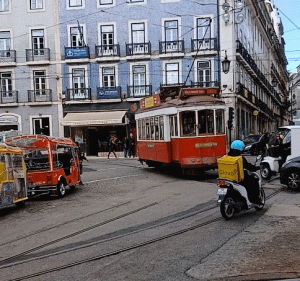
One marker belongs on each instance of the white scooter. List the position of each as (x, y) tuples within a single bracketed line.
[(233, 197), (269, 166)]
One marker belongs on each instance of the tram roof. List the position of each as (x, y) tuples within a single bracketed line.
[(189, 101)]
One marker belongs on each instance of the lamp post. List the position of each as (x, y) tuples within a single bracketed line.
[(226, 64)]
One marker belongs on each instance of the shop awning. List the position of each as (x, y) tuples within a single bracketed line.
[(94, 118)]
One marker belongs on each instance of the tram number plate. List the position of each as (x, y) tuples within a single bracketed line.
[(222, 191)]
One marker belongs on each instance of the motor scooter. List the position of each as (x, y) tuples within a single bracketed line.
[(269, 166), (234, 198)]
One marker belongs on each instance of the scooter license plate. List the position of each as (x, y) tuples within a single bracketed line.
[(222, 191)]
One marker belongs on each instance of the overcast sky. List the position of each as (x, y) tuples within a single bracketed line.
[(290, 15)]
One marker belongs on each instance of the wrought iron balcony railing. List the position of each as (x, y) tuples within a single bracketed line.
[(133, 49), (44, 95), (139, 91), (9, 97), (107, 51), (166, 47), (77, 52), (7, 56), (206, 84), (207, 44), (37, 55), (75, 94), (109, 93)]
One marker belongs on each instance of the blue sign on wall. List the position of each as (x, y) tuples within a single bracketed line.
[(109, 93), (77, 52)]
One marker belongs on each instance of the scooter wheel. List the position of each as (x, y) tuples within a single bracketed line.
[(227, 208), (262, 199), (265, 171)]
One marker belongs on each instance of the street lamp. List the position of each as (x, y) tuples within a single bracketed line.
[(226, 64)]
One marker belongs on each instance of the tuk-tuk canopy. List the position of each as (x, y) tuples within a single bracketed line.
[(36, 141)]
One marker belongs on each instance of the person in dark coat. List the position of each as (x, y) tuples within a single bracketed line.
[(131, 145), (81, 157), (125, 146), (112, 146)]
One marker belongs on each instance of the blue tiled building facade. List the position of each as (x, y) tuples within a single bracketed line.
[(116, 52)]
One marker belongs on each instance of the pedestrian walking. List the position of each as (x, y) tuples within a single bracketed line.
[(131, 145), (112, 146), (125, 146), (81, 157)]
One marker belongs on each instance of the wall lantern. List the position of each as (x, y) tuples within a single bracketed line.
[(226, 64), (226, 8)]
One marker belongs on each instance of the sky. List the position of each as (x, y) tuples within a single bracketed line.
[(290, 15)]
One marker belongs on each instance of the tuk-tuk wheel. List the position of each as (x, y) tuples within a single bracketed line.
[(61, 189)]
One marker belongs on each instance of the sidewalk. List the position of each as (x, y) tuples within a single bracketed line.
[(267, 250)]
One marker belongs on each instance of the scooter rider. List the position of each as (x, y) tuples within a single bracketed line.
[(250, 182)]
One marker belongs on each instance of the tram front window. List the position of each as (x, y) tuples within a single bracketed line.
[(220, 121), (188, 123), (206, 121)]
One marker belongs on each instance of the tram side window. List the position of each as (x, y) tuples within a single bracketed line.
[(220, 121), (173, 126), (148, 129), (161, 128), (188, 125), (140, 133), (206, 121), (151, 128)]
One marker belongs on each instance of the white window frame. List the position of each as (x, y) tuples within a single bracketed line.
[(212, 25), (8, 8), (147, 77), (164, 78), (169, 1), (45, 36), (32, 77), (130, 31), (212, 69), (114, 24), (115, 66), (11, 35), (32, 117), (86, 80), (35, 10), (137, 2), (163, 20), (101, 6), (68, 7), (69, 26)]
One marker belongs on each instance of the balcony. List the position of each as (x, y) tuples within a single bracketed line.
[(166, 47), (107, 51), (7, 56), (77, 94), (9, 97), (77, 53), (208, 44), (139, 91), (109, 93), (44, 95), (134, 49), (37, 55)]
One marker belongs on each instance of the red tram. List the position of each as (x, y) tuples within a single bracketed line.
[(186, 129)]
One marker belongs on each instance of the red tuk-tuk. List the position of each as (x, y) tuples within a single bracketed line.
[(52, 163)]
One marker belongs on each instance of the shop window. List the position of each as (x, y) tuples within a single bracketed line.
[(41, 126)]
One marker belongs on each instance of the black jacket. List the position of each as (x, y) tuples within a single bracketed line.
[(246, 165)]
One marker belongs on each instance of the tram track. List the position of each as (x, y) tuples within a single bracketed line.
[(112, 253)]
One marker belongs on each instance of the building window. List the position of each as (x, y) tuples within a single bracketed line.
[(139, 75), (136, 1), (38, 41), (4, 40), (6, 84), (137, 33), (203, 28), (36, 4), (106, 2), (78, 79), (107, 35), (204, 73), (76, 37), (4, 5), (41, 126), (39, 80), (171, 30), (172, 73), (108, 77), (75, 3)]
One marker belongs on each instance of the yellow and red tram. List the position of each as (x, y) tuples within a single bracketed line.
[(185, 130)]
